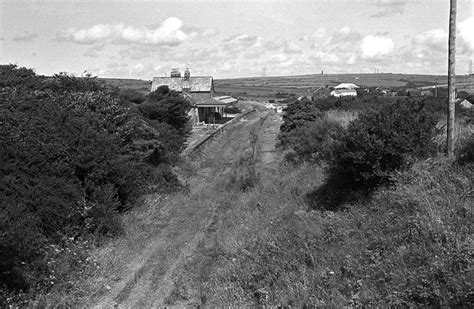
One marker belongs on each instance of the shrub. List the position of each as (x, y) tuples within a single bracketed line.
[(130, 95), (68, 82), (170, 108), (374, 146), (298, 114), (378, 143), (13, 76), (72, 156), (465, 153), (358, 103), (313, 141)]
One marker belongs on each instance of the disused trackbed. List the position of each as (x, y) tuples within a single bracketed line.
[(149, 279)]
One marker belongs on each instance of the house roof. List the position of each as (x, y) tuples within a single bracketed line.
[(321, 89), (466, 104), (212, 102), (226, 99), (339, 91), (194, 83), (346, 86)]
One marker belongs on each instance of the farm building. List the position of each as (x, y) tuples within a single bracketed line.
[(321, 92), (466, 104), (413, 92), (345, 90), (344, 93), (346, 86), (200, 91)]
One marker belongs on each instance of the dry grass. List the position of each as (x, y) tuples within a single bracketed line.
[(270, 250), (462, 131), (342, 117), (409, 245)]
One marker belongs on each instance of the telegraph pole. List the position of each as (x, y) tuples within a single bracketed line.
[(451, 76), (264, 79)]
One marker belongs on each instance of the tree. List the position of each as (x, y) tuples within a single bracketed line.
[(169, 107)]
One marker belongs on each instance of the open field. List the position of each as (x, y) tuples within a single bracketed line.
[(263, 88), (303, 84), (139, 85)]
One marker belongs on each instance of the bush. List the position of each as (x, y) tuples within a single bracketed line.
[(358, 103), (465, 153), (373, 147), (130, 95), (68, 82), (168, 107), (13, 76), (72, 156), (313, 141), (298, 114), (378, 143)]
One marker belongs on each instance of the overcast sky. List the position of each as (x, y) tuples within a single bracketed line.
[(142, 39)]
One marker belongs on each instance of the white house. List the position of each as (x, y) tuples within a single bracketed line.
[(346, 86), (466, 104), (344, 93)]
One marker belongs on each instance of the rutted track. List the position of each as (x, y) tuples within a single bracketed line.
[(148, 279)]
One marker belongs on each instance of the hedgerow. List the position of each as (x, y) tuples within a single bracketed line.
[(72, 157)]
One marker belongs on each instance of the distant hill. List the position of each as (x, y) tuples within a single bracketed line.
[(139, 85), (268, 87)]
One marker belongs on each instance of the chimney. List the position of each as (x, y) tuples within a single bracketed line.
[(186, 81), (175, 72)]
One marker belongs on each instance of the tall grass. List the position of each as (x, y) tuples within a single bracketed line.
[(410, 245)]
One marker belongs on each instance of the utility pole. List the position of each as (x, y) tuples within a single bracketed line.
[(264, 79), (451, 76), (469, 78)]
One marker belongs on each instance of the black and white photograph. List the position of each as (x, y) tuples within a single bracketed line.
[(236, 153)]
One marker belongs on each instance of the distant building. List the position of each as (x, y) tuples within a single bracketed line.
[(427, 93), (198, 89), (412, 92), (466, 104), (320, 93), (344, 93), (346, 86)]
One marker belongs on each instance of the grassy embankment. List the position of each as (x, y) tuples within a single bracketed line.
[(409, 244)]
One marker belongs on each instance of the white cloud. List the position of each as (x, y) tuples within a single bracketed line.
[(435, 39), (344, 35), (326, 58), (466, 33), (25, 37), (376, 46), (279, 58), (167, 33), (241, 41), (138, 68), (292, 48), (351, 60), (274, 44), (389, 8), (318, 34)]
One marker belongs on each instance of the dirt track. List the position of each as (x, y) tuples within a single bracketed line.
[(148, 279)]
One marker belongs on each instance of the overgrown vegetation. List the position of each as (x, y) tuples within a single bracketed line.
[(410, 245), (73, 156), (399, 229)]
